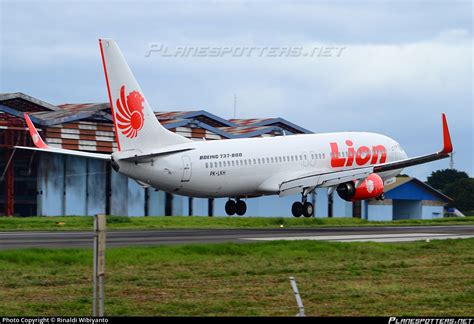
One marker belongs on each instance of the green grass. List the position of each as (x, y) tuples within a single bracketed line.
[(335, 279), (160, 222)]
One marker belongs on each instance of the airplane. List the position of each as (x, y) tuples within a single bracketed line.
[(356, 165)]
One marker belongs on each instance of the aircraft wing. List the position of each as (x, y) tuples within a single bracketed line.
[(43, 147), (308, 182)]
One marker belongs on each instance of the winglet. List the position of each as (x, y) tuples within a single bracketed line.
[(35, 136), (447, 145)]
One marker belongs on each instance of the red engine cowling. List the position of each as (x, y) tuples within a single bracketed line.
[(372, 187)]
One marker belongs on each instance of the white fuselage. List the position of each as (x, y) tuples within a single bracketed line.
[(256, 166)]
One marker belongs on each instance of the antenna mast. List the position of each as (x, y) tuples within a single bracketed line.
[(235, 105)]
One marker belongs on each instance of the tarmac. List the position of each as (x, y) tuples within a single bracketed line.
[(121, 238)]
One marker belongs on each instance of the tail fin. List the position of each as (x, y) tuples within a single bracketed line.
[(136, 126)]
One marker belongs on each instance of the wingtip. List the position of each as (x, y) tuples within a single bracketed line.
[(37, 140), (447, 144), (27, 120)]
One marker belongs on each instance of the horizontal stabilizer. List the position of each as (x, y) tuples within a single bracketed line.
[(129, 156)]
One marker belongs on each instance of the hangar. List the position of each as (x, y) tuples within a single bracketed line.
[(34, 183)]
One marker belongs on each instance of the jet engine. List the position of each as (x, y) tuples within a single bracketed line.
[(371, 187)]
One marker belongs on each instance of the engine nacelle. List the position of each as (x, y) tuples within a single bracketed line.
[(372, 187)]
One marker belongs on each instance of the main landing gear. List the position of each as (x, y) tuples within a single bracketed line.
[(238, 207), (302, 208)]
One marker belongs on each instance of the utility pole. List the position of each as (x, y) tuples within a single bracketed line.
[(99, 265), (451, 161)]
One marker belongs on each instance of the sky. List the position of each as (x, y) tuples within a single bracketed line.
[(389, 67)]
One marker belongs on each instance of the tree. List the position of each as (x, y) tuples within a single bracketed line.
[(462, 191), (441, 178)]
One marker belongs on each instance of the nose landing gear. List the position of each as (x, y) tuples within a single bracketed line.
[(304, 208), (238, 207)]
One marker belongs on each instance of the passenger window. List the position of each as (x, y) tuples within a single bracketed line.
[(206, 165), (259, 162), (271, 159), (233, 163), (268, 160), (280, 159)]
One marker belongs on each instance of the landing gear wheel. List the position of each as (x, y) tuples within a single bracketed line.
[(381, 197), (241, 207), (230, 207), (308, 209), (297, 209)]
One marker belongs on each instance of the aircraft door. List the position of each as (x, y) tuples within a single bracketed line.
[(186, 169)]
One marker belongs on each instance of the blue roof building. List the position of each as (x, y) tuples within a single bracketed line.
[(407, 198)]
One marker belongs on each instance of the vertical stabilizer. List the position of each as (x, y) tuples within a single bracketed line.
[(136, 126)]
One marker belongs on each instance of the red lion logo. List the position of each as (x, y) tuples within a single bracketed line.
[(130, 113)]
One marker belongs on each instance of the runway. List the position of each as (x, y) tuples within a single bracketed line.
[(117, 238)]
